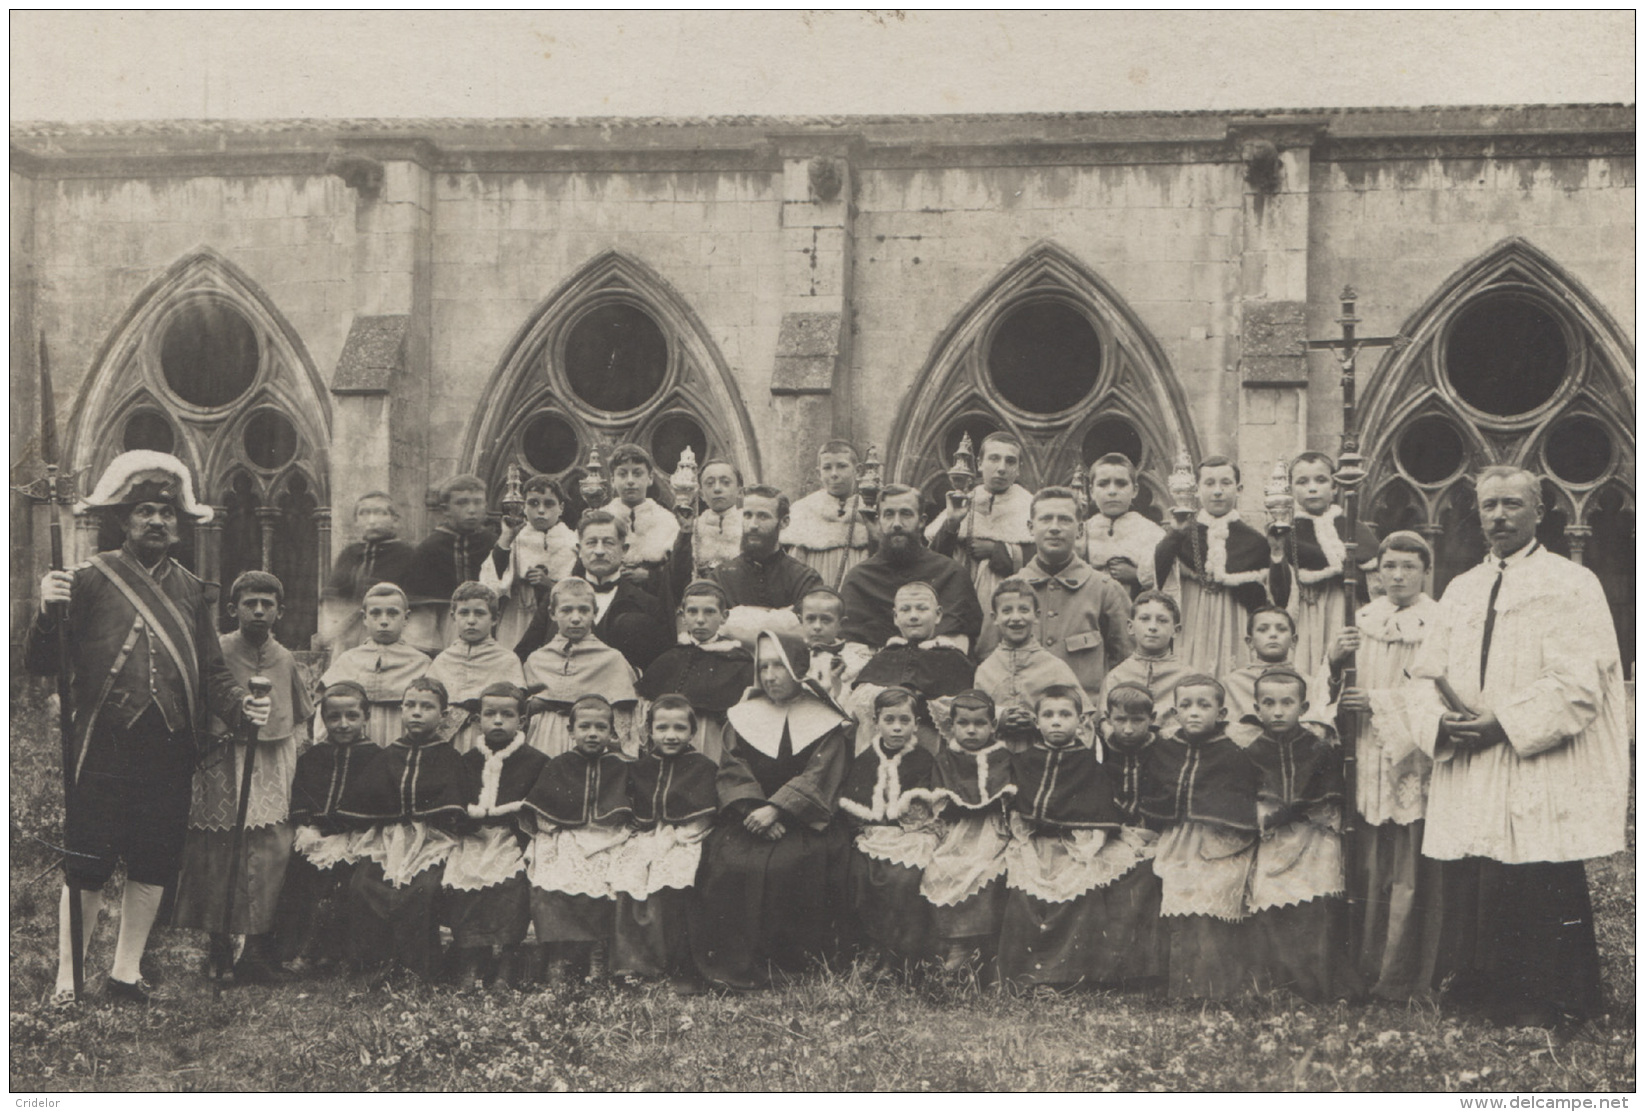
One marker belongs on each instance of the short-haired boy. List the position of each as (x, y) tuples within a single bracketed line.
[(987, 529), (454, 553), (309, 926), (1156, 623), (891, 842), (1318, 552), (1271, 636), (581, 815), (1067, 852), (265, 846), (532, 553), (575, 663), (413, 797), (916, 659), (1401, 888), (964, 881), (1221, 569), (828, 528), (652, 529), (384, 664), (822, 612), (1201, 789), (675, 800), (710, 669), (1020, 668), (1118, 539), (472, 662), (487, 897), (1299, 918), (378, 556)]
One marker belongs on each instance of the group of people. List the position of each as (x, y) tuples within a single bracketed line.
[(714, 741)]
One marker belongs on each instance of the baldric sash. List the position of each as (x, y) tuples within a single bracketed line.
[(159, 612)]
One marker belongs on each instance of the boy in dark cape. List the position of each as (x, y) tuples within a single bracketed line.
[(892, 841), (672, 787), (762, 891), (710, 669), (414, 795), (1128, 730), (308, 921), (1067, 851), (487, 896), (1299, 916), (965, 879), (1202, 789), (582, 816)]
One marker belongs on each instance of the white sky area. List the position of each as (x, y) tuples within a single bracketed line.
[(158, 65)]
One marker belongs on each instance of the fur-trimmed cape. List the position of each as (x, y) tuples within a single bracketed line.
[(971, 780), (879, 785)]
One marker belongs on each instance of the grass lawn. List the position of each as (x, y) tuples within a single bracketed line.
[(835, 1029)]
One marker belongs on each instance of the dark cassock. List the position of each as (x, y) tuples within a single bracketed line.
[(487, 897), (443, 561), (1203, 795), (413, 797), (1219, 568), (930, 669), (358, 568), (892, 839), (870, 588), (1071, 890), (309, 918), (628, 618), (675, 800), (1528, 638), (759, 900), (965, 880), (713, 676), (583, 816), (1299, 917)]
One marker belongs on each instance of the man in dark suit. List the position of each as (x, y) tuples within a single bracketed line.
[(147, 673), (627, 617)]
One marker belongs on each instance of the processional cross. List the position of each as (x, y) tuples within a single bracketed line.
[(1350, 473)]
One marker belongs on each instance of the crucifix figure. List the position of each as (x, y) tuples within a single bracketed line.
[(1350, 473)]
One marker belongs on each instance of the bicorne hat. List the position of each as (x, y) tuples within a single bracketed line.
[(143, 476)]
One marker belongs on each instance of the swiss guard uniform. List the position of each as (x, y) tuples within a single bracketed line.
[(147, 669)]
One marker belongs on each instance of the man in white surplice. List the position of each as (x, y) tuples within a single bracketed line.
[(1531, 763)]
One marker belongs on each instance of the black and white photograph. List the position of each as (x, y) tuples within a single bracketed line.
[(886, 551)]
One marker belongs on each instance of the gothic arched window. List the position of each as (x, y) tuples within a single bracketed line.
[(1050, 353), (206, 369), (1511, 362), (614, 356)]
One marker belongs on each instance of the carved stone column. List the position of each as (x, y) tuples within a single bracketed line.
[(84, 541), (1578, 535), (268, 520), (1431, 533), (208, 546)]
